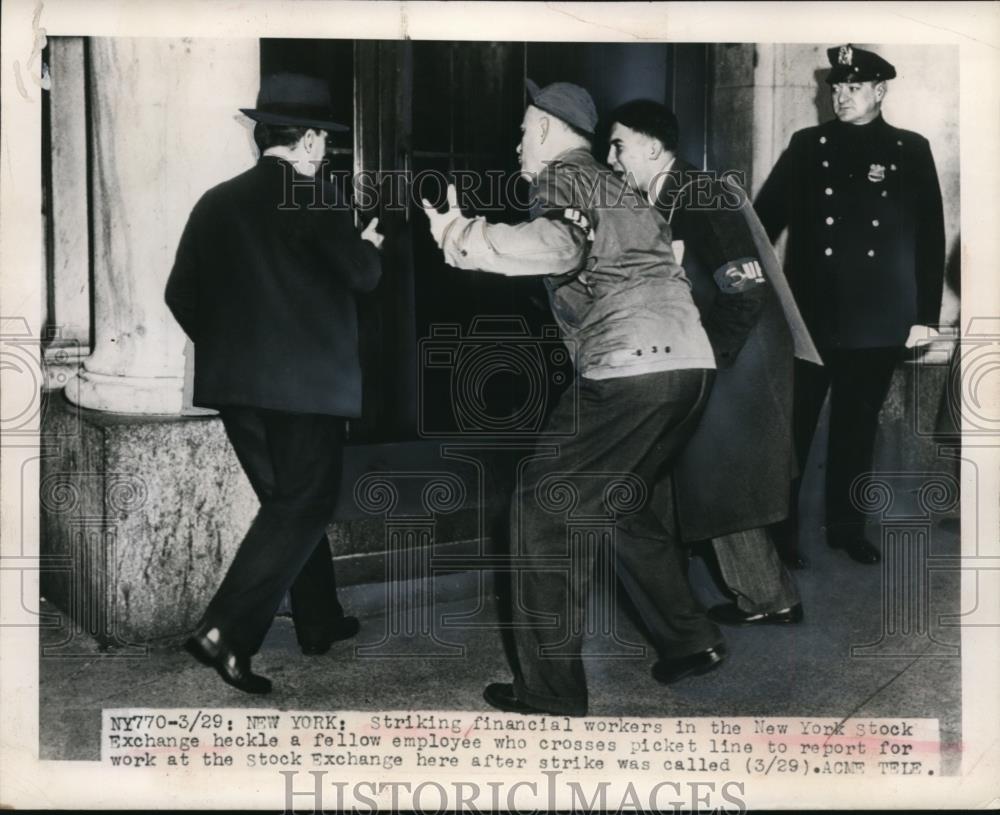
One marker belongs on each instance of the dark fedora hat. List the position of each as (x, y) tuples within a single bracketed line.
[(294, 99)]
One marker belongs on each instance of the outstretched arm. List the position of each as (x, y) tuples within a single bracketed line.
[(546, 245)]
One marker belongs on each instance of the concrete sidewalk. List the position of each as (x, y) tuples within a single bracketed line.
[(802, 670)]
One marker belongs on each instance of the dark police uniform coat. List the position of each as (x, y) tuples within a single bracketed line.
[(865, 254), (264, 284), (734, 473)]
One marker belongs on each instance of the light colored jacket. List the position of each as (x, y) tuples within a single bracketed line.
[(622, 301)]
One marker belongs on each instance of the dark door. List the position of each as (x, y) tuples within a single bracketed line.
[(425, 113)]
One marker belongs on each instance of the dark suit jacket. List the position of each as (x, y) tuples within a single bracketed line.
[(865, 251), (264, 284), (734, 473)]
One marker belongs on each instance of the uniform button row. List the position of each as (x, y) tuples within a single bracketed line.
[(829, 251)]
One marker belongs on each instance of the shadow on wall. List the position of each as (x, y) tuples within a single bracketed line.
[(823, 100), (953, 267)]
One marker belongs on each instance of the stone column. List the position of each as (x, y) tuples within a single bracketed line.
[(67, 333), (165, 127)]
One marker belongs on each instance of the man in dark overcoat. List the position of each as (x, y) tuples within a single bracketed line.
[(264, 284), (865, 260), (732, 480)]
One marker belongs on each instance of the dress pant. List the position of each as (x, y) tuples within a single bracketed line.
[(293, 461), (630, 425), (858, 381), (753, 572)]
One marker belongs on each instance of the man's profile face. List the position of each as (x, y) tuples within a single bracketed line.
[(529, 150), (857, 102), (630, 156)]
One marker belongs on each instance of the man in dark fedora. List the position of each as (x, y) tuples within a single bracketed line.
[(865, 260), (264, 284), (644, 370)]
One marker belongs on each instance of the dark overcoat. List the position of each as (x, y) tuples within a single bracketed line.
[(735, 471), (264, 284), (865, 255)]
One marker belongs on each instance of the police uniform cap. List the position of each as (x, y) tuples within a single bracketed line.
[(852, 64)]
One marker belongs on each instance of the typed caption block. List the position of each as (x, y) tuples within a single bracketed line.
[(420, 742)]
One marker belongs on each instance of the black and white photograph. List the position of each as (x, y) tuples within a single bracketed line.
[(461, 406)]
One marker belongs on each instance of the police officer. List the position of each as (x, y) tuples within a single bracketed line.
[(865, 259)]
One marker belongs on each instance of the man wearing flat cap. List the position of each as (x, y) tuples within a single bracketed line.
[(865, 259), (264, 284), (645, 368)]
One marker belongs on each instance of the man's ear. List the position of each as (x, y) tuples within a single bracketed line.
[(881, 89), (543, 126), (655, 149)]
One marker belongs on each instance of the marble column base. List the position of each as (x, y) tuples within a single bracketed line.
[(127, 394), (917, 446), (140, 517)]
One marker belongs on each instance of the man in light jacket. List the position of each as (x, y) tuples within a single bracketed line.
[(645, 368)]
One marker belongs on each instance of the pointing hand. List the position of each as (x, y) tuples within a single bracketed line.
[(369, 234), (440, 220)]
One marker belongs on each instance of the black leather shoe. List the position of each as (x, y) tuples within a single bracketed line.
[(342, 629), (731, 614), (668, 671), (859, 550), (501, 696), (793, 560), (234, 669)]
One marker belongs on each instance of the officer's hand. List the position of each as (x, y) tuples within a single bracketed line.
[(921, 332), (440, 220), (369, 234)]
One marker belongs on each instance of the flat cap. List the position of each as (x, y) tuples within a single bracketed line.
[(567, 101), (852, 64)]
